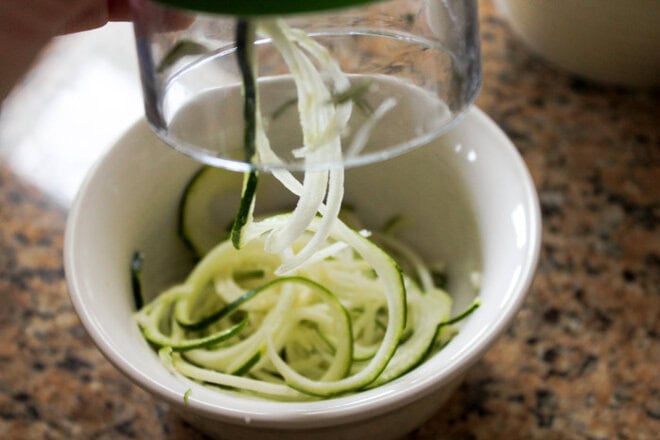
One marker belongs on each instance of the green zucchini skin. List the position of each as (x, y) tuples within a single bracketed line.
[(245, 35), (136, 279), (247, 8), (153, 335), (209, 193), (245, 208), (181, 223)]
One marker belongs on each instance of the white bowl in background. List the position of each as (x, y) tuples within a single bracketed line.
[(610, 41), (472, 203)]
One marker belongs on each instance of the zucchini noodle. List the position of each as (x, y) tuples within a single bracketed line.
[(345, 322)]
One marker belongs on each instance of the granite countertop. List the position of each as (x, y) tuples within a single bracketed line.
[(580, 361)]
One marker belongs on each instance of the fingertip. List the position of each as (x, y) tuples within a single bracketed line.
[(119, 10)]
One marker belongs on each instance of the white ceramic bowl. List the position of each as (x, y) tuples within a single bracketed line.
[(611, 41), (471, 201)]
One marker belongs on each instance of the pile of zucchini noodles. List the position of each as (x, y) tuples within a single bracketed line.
[(300, 306)]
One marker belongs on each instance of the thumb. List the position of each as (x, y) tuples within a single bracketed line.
[(96, 14), (26, 26)]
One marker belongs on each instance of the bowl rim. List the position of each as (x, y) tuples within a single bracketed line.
[(351, 408)]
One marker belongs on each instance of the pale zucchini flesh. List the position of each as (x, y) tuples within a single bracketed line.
[(209, 199)]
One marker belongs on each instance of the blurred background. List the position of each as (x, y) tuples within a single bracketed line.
[(81, 95)]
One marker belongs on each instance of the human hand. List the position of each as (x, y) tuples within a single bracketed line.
[(26, 26)]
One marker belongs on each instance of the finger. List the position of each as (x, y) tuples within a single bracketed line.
[(97, 14), (42, 18), (119, 10), (94, 16), (152, 18)]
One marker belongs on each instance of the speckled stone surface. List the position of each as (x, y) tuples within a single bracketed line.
[(580, 361)]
